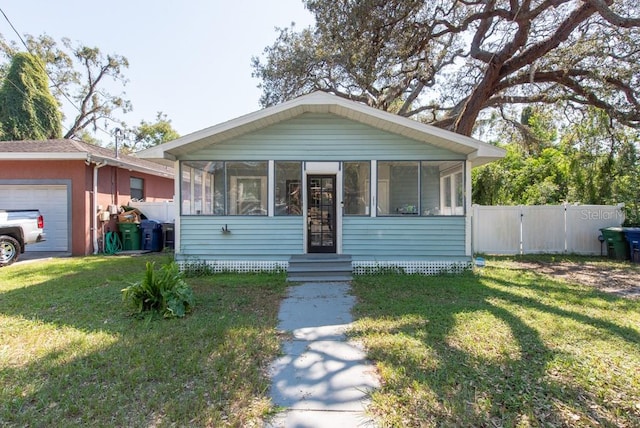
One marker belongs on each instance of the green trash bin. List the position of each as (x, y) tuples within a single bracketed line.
[(617, 247), (130, 236)]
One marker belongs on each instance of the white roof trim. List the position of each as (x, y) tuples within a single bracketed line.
[(321, 102), (119, 163)]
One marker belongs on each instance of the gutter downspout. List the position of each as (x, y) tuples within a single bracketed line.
[(94, 206)]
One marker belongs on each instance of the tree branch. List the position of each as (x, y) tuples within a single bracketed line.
[(613, 18), (564, 30)]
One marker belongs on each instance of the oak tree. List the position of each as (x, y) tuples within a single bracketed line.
[(448, 62)]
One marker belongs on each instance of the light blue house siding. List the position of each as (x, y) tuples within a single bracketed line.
[(317, 138), (321, 137), (364, 238), (399, 238), (246, 238)]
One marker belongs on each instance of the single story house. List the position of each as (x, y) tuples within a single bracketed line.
[(78, 187), (322, 174)]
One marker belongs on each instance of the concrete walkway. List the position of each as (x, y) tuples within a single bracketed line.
[(322, 380)]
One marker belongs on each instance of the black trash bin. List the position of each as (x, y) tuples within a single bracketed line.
[(168, 235), (151, 235)]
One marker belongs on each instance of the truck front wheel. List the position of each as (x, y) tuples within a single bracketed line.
[(9, 250)]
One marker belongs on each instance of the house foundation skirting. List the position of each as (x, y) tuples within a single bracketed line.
[(240, 266), (421, 267), (360, 267)]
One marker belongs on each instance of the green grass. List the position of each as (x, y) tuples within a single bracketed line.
[(500, 347), (71, 354)]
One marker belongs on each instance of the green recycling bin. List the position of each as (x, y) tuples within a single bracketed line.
[(130, 236), (617, 247)]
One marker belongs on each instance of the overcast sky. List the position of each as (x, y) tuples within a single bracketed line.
[(190, 59)]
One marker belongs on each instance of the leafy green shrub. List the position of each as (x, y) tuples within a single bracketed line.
[(163, 290)]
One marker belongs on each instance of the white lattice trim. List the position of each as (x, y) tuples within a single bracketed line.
[(422, 267), (220, 266), (359, 267)]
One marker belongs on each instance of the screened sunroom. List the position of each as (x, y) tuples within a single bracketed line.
[(321, 174), (233, 188)]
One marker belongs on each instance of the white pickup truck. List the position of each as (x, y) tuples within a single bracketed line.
[(17, 229)]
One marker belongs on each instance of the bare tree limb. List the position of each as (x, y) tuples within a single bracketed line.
[(605, 11)]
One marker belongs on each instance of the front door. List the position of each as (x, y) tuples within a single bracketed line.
[(321, 213)]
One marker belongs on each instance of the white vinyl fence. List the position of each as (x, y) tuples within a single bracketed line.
[(542, 228), (164, 212)]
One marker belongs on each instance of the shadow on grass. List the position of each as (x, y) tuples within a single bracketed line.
[(497, 350), (71, 354)]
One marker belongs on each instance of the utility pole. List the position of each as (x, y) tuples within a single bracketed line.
[(119, 136)]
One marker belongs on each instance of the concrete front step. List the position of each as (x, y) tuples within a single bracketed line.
[(320, 257), (325, 278), (331, 265), (320, 268), (325, 267)]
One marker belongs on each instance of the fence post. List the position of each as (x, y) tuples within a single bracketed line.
[(521, 231), (566, 238), (474, 214)]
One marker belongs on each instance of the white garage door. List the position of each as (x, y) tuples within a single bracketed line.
[(52, 202)]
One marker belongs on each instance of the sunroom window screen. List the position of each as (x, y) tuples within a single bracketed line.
[(357, 179), (202, 188), (224, 188), (427, 188), (288, 194), (398, 188), (247, 188)]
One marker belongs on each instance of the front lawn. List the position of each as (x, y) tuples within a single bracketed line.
[(70, 354), (504, 346)]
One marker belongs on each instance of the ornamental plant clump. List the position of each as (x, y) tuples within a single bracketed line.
[(164, 291)]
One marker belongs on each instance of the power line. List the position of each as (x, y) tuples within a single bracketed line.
[(56, 84), (25, 45), (45, 68), (14, 28)]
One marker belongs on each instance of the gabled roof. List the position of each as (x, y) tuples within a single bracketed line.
[(63, 149), (476, 151)]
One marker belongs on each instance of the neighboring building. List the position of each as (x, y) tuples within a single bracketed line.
[(321, 174), (60, 177)]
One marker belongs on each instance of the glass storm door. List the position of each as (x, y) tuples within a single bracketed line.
[(321, 213)]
